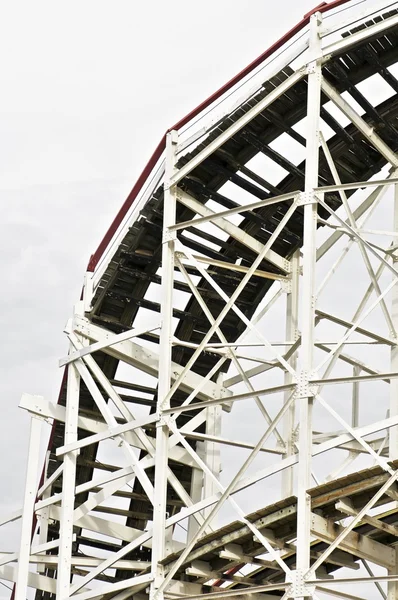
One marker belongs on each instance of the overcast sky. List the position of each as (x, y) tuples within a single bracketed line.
[(88, 88)]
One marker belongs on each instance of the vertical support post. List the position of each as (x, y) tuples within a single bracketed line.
[(392, 586), (393, 435), (28, 509), (355, 398), (68, 480), (166, 334), (209, 452), (393, 432), (305, 397), (196, 491), (44, 515), (88, 291), (292, 307), (212, 450)]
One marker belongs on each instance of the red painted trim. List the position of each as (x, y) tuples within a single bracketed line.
[(323, 7), (230, 571)]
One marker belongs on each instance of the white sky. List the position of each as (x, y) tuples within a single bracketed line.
[(88, 88)]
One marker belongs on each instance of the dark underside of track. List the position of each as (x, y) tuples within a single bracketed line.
[(124, 286)]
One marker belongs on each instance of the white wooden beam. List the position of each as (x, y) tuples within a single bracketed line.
[(233, 230), (148, 361), (38, 405), (28, 508), (354, 543), (345, 506)]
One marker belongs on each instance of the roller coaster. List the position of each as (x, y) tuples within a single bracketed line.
[(227, 423)]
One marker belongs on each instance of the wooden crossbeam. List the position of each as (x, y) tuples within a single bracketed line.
[(360, 546)]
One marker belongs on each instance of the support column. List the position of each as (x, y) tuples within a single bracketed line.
[(355, 398), (196, 491), (88, 291), (202, 484), (392, 586), (393, 435), (28, 509), (44, 514), (393, 432), (292, 307), (305, 397), (68, 482), (166, 333), (212, 450)]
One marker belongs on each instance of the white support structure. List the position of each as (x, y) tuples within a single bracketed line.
[(292, 333), (305, 394), (245, 444), (393, 438), (68, 484), (28, 506), (162, 429)]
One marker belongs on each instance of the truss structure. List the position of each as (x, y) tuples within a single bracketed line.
[(241, 311)]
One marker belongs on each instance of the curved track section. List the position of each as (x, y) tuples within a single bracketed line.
[(218, 365)]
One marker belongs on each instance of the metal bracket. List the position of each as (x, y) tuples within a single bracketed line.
[(163, 420), (88, 292), (311, 67), (304, 389), (286, 285), (168, 236), (287, 265), (307, 198), (298, 587)]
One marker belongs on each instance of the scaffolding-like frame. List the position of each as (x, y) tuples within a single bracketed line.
[(207, 397)]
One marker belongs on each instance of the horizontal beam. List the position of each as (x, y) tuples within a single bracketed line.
[(209, 215), (345, 506), (110, 339), (357, 185), (35, 581), (86, 561), (147, 360), (219, 440), (222, 264), (110, 432), (237, 397), (358, 545), (38, 405), (219, 220), (229, 593), (356, 378), (103, 526)]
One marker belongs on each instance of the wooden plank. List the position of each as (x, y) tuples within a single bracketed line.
[(358, 545)]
